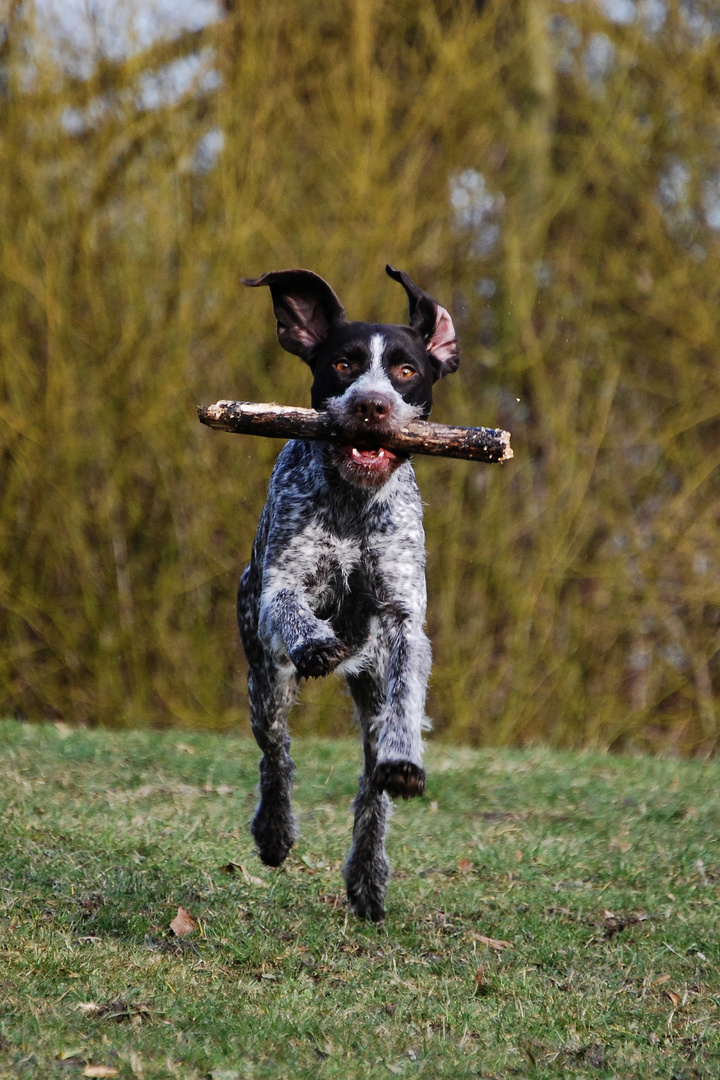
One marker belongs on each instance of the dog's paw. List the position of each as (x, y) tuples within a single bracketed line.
[(274, 834), (313, 659), (366, 884), (274, 853), (366, 907), (399, 778)]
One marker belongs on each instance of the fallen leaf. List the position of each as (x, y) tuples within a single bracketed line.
[(250, 878), (185, 748), (68, 1055), (335, 900), (493, 943), (183, 923), (662, 979), (238, 868), (464, 866), (674, 998), (119, 1010), (100, 1070), (479, 981), (615, 924)]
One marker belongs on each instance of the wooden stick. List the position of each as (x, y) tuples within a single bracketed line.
[(418, 437)]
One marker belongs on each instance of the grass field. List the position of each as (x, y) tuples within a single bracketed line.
[(601, 874)]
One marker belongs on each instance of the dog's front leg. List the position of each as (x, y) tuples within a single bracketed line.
[(290, 628), (399, 768)]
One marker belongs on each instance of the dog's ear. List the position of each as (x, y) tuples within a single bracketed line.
[(305, 307), (432, 322)]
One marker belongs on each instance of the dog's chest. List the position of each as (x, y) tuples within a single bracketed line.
[(334, 567), (344, 588), (349, 552)]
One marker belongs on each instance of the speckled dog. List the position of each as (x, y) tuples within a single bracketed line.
[(337, 577)]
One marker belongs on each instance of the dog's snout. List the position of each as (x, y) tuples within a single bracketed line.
[(372, 408)]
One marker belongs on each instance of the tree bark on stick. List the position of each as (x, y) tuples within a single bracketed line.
[(418, 437)]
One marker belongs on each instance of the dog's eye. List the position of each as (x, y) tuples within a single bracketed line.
[(406, 371), (342, 366)]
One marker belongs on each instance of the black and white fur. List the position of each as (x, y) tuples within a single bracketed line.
[(337, 576)]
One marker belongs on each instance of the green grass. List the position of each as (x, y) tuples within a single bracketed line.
[(105, 835)]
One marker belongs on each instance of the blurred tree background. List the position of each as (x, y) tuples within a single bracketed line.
[(548, 170)]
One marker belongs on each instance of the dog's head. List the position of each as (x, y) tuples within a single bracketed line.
[(369, 376)]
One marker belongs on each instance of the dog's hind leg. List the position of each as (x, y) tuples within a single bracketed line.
[(272, 693), (272, 690), (367, 870)]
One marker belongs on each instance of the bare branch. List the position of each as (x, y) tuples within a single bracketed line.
[(418, 437)]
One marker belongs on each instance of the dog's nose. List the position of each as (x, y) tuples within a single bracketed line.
[(372, 408)]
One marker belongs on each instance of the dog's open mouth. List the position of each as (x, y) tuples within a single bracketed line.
[(367, 466), (369, 459)]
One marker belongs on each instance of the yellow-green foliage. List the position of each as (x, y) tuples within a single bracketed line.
[(575, 593)]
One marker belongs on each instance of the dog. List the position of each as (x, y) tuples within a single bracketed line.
[(336, 581)]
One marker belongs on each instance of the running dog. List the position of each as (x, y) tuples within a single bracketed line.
[(337, 576)]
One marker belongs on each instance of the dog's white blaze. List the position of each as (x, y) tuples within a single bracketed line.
[(377, 348), (376, 378)]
